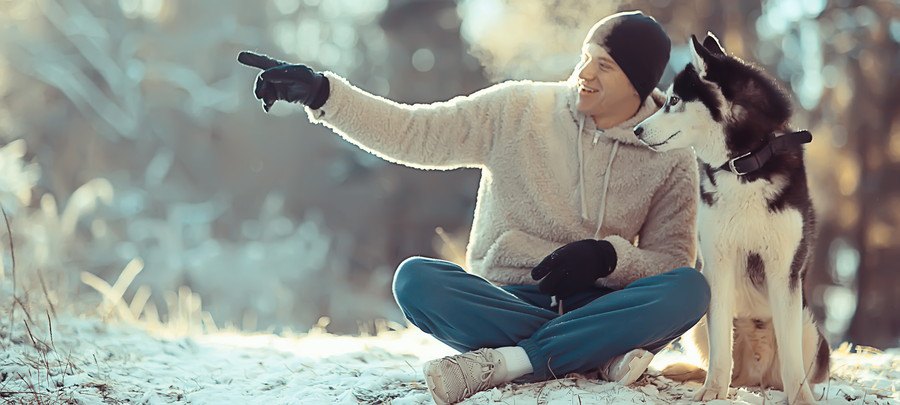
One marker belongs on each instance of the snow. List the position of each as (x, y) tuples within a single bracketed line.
[(90, 361)]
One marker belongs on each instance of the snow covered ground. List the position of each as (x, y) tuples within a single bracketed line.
[(88, 361)]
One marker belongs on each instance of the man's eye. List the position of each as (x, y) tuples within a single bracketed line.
[(673, 101)]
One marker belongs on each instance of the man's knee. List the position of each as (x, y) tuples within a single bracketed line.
[(412, 280), (689, 291)]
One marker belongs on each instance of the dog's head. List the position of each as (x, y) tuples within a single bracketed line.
[(719, 105)]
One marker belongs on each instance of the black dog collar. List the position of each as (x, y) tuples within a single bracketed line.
[(752, 161)]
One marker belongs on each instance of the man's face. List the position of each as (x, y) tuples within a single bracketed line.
[(602, 85)]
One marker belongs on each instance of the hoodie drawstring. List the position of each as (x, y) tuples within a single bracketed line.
[(581, 168), (606, 174), (612, 155)]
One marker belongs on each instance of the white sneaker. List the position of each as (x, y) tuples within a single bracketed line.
[(627, 368), (455, 378)]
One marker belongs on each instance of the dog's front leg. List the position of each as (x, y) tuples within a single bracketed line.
[(787, 318), (720, 324)]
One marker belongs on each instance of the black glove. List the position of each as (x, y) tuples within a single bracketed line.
[(283, 81), (575, 267)]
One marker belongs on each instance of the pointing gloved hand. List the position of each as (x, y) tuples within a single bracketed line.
[(575, 267), (283, 81)]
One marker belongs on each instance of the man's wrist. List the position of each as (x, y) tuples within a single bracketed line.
[(320, 93)]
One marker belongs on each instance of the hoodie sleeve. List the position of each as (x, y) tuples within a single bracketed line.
[(443, 135), (667, 239)]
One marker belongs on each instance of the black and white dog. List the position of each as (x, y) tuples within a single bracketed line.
[(756, 224)]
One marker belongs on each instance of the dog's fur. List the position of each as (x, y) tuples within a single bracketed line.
[(756, 230)]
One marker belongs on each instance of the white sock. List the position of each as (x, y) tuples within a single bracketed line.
[(517, 363)]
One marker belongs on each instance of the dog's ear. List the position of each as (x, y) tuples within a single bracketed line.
[(700, 56), (711, 43)]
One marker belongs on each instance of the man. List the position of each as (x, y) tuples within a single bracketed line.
[(568, 196)]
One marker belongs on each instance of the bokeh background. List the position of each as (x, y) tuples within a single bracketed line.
[(137, 163)]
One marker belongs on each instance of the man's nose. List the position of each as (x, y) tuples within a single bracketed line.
[(638, 130), (586, 73)]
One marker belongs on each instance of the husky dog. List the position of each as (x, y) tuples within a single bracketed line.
[(756, 224)]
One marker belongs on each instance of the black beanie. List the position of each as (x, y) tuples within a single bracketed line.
[(638, 44)]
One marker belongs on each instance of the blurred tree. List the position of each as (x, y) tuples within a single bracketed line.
[(874, 131)]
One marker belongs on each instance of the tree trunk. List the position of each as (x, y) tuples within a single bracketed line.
[(876, 104)]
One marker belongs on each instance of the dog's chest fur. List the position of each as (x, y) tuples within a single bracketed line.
[(740, 233)]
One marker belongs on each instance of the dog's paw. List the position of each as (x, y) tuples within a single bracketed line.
[(708, 393)]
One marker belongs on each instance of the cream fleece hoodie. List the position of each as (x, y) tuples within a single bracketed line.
[(548, 175)]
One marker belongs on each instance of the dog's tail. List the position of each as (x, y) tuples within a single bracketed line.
[(683, 372)]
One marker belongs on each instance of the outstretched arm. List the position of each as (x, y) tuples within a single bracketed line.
[(444, 135)]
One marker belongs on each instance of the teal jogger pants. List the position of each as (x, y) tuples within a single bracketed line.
[(467, 312)]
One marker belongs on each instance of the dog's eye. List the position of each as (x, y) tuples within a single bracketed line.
[(673, 101)]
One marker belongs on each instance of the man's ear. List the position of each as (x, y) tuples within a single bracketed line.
[(711, 43), (700, 56)]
